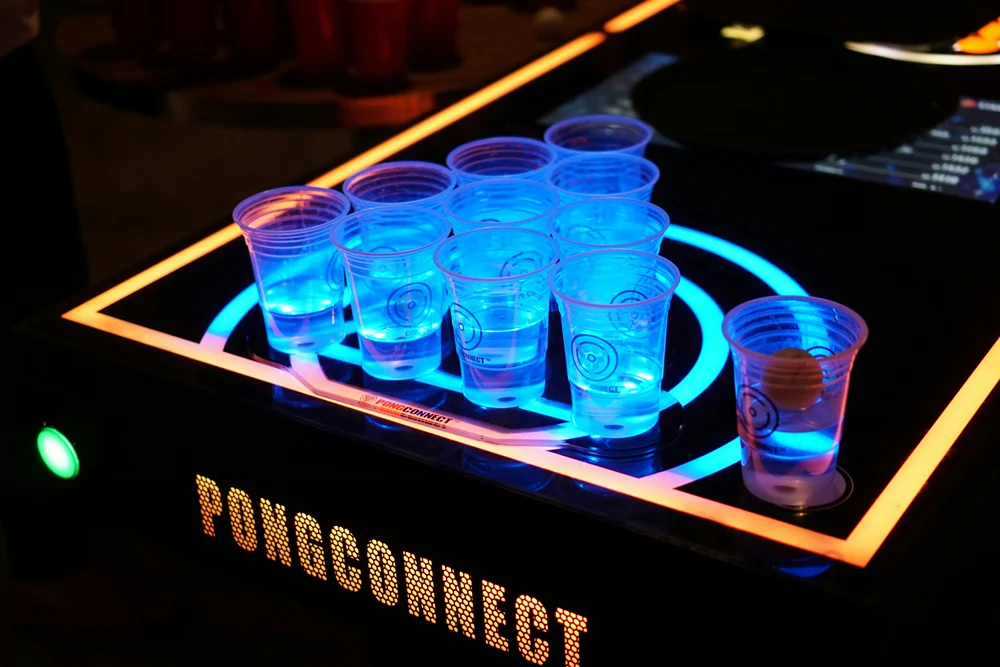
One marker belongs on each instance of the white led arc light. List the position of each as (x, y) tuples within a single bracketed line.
[(947, 59), (706, 369)]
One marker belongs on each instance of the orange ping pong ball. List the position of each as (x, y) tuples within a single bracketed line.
[(793, 386)]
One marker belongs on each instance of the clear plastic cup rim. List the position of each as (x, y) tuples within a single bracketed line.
[(595, 157), (659, 259), (323, 193), (812, 300), (384, 210), (506, 182), (402, 164), (498, 279), (646, 130), (479, 143), (614, 200)]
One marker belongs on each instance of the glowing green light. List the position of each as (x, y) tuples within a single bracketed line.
[(58, 453)]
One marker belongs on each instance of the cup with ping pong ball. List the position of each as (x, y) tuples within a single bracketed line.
[(792, 359)]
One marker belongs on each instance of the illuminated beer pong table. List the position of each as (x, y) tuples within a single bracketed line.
[(494, 531)]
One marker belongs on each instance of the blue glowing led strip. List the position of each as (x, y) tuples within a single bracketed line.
[(222, 326), (710, 362), (703, 466), (771, 275), (714, 348), (782, 284)]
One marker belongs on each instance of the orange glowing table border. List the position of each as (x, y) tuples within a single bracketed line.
[(857, 549)]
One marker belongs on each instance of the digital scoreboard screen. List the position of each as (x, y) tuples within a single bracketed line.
[(959, 157)]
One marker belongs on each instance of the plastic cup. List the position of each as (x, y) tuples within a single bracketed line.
[(501, 157), (397, 293), (377, 35), (138, 25), (604, 175), (501, 202), (317, 28), (792, 358), (614, 306), (299, 275), (189, 26), (601, 223), (599, 134), (256, 32), (421, 184), (500, 311), (433, 33)]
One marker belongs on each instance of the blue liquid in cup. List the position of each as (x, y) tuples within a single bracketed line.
[(614, 306), (301, 312), (402, 338), (599, 134), (501, 157), (604, 175), (797, 464), (622, 404), (503, 354), (500, 310), (298, 274), (398, 294)]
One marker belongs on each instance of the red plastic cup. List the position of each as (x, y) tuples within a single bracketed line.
[(137, 25), (378, 32), (255, 31), (535, 5), (318, 29), (190, 29), (433, 32)]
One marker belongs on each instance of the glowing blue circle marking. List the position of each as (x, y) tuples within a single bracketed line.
[(710, 362), (779, 281), (229, 317), (234, 311), (769, 274), (707, 367)]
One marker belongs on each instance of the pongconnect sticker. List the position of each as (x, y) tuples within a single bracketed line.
[(595, 358), (756, 412), (409, 305), (468, 330)]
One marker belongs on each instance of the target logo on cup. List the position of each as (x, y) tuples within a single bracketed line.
[(468, 330), (521, 263), (758, 417), (410, 304), (595, 358)]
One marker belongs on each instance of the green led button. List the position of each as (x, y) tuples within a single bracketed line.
[(58, 453)]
